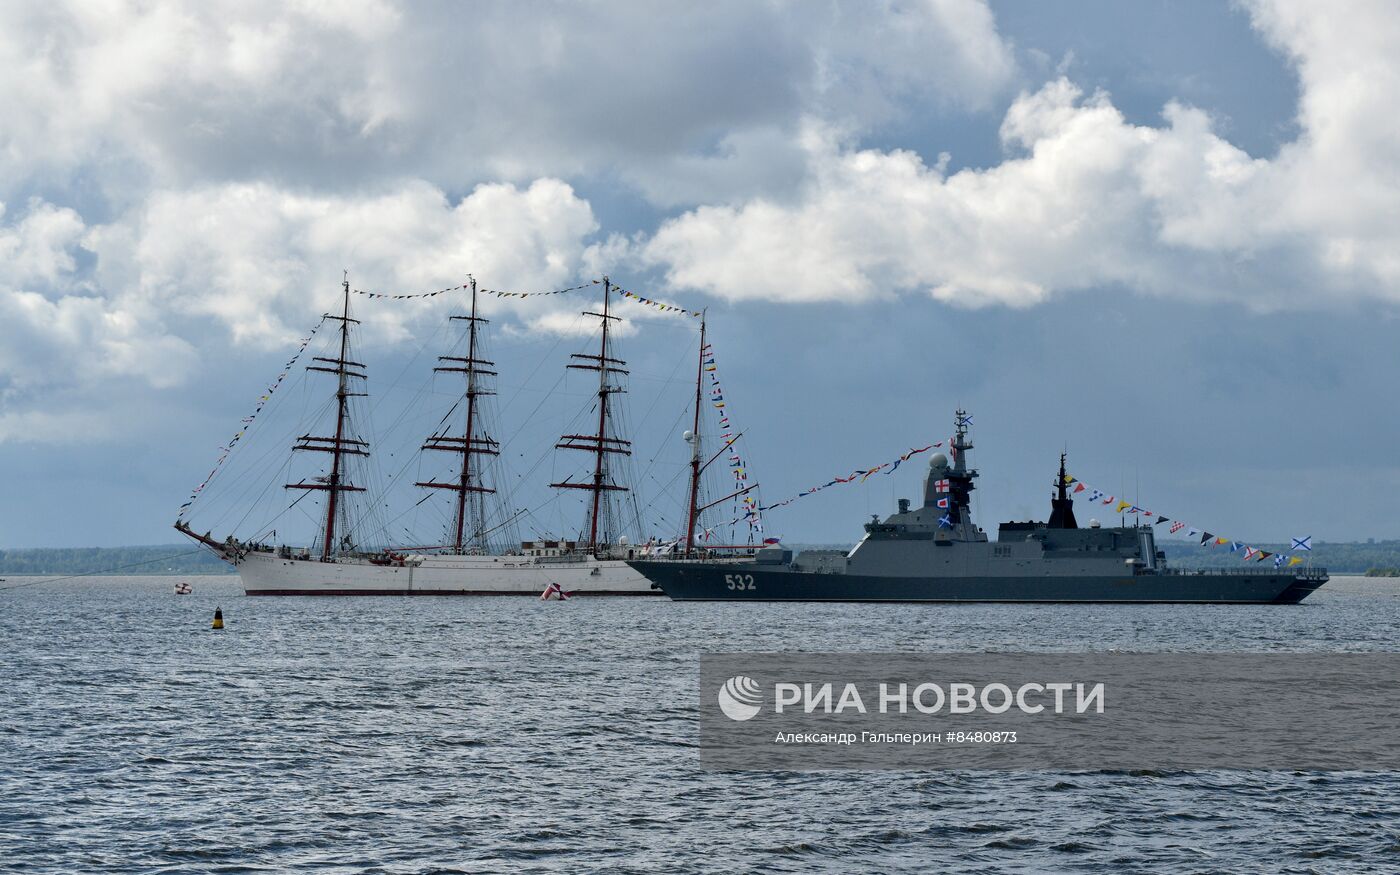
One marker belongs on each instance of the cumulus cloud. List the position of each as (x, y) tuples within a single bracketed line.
[(1087, 199), (59, 332), (255, 257), (216, 164), (570, 323), (55, 324), (170, 94), (81, 307)]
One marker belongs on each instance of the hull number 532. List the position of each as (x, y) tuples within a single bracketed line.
[(738, 581)]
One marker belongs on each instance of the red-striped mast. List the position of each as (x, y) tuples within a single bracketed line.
[(599, 444), (469, 445), (340, 445)]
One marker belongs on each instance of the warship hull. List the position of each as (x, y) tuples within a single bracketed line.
[(702, 581)]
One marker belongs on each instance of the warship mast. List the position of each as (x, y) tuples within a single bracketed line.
[(694, 438), (340, 445), (1062, 506), (468, 486), (599, 443)]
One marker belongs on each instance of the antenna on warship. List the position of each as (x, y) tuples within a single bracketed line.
[(1061, 505), (694, 438)]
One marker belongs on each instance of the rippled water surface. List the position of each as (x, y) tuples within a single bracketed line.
[(507, 734)]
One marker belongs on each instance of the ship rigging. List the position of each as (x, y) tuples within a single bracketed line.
[(337, 561)]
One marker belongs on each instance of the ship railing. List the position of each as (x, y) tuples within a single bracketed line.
[(564, 559), (1306, 573), (697, 557)]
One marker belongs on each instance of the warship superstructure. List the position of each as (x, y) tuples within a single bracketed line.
[(937, 553)]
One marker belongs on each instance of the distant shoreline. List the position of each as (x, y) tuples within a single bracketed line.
[(148, 560), (1371, 558)]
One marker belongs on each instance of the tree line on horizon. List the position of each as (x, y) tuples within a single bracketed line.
[(1375, 558), (155, 559)]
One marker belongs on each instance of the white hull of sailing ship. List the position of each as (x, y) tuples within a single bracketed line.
[(269, 573)]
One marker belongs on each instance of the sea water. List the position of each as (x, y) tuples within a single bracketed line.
[(491, 734)]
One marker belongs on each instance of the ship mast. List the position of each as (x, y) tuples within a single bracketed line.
[(695, 445), (599, 444), (470, 445), (341, 444), (1061, 505)]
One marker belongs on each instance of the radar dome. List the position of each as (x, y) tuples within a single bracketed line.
[(1093, 524), (622, 541), (938, 460), (687, 436)]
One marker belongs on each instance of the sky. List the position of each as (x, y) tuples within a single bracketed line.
[(1160, 236)]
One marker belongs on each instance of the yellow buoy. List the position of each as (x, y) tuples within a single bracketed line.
[(218, 618)]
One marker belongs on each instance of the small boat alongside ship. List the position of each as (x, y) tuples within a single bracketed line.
[(937, 553)]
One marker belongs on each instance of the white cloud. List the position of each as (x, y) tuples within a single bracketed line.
[(263, 261), (239, 154), (39, 248), (230, 157), (1086, 198), (82, 307), (172, 95), (571, 323), (56, 328)]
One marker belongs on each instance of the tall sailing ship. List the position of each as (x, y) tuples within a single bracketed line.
[(594, 563)]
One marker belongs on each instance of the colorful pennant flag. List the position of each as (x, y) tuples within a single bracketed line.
[(247, 420), (1206, 538), (498, 293), (858, 474)]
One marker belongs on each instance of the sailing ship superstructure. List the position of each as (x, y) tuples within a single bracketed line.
[(595, 563)]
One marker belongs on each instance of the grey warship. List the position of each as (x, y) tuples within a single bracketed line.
[(937, 553)]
